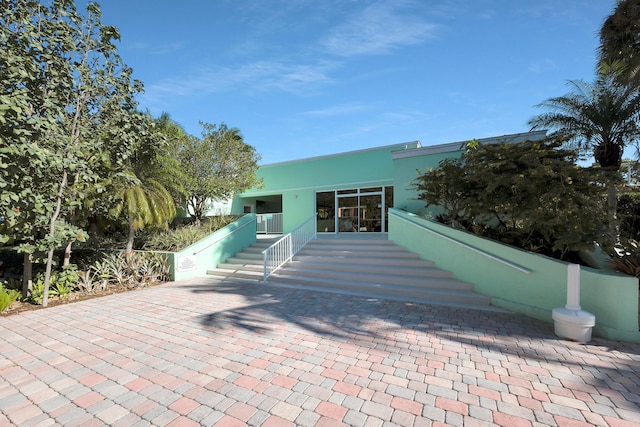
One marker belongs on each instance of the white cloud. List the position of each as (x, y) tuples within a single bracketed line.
[(252, 78), (379, 28)]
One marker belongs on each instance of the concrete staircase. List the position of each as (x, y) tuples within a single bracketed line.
[(374, 268)]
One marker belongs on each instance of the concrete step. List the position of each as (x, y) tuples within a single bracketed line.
[(412, 268), (434, 294), (241, 266), (238, 273), (376, 268), (360, 253), (249, 255), (408, 261), (438, 278), (245, 260)]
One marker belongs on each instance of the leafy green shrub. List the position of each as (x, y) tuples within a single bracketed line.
[(7, 297), (530, 195), (37, 290), (181, 237), (61, 284), (629, 214)]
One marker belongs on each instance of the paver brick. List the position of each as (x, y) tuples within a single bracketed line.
[(378, 362)]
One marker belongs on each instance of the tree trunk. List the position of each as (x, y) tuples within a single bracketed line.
[(67, 255), (52, 230), (132, 235), (47, 278), (27, 276), (612, 206)]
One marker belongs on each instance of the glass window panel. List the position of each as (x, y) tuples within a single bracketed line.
[(348, 219), (326, 208), (371, 190), (388, 203)]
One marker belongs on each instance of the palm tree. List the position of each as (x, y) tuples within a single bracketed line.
[(144, 190), (620, 42), (146, 202), (599, 118)]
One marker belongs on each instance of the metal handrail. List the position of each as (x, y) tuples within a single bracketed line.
[(282, 251), (466, 246)]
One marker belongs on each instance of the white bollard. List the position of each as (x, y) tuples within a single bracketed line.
[(571, 321), (573, 287)]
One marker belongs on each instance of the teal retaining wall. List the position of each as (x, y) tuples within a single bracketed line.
[(518, 280), (195, 260)]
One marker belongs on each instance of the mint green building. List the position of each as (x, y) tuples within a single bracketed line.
[(371, 191), (353, 191)]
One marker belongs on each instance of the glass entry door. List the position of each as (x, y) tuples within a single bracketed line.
[(371, 213), (359, 213), (348, 214), (358, 210)]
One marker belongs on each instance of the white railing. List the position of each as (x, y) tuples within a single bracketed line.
[(282, 251), (269, 223)]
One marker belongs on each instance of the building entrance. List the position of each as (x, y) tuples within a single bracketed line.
[(359, 210)]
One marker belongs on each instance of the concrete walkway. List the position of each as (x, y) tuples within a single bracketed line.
[(231, 354)]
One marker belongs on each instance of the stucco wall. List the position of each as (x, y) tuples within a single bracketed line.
[(195, 260), (519, 280), (298, 181)]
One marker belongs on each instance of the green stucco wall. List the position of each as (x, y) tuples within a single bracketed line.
[(298, 181), (214, 249), (519, 280)]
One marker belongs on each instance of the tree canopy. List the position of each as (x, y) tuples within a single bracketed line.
[(530, 194), (63, 88), (620, 42), (216, 167)]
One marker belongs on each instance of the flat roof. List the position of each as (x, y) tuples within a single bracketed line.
[(458, 146), (402, 146)]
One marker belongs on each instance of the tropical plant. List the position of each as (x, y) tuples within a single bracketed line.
[(598, 119), (620, 42), (216, 167), (7, 297), (134, 269), (181, 237), (37, 292), (144, 190), (627, 260), (529, 194)]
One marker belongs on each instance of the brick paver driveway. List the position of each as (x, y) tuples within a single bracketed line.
[(231, 354)]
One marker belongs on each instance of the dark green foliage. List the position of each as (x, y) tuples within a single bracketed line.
[(629, 214), (530, 195), (620, 41)]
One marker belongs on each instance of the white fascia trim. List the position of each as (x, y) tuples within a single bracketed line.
[(402, 146), (329, 187), (459, 146)]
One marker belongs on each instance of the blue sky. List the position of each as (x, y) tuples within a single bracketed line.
[(303, 78)]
